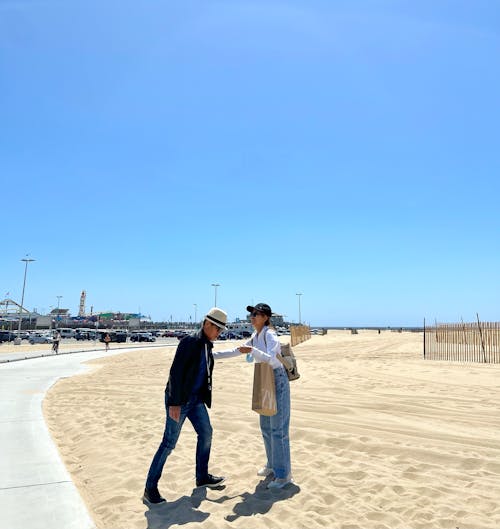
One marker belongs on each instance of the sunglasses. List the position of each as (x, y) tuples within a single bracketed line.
[(255, 313), (217, 327)]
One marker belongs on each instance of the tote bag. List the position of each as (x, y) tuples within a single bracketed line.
[(264, 390), (287, 358)]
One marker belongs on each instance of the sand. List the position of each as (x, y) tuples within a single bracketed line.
[(380, 438)]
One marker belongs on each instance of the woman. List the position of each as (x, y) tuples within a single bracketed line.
[(264, 346)]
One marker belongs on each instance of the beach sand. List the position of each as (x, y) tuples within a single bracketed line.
[(380, 438)]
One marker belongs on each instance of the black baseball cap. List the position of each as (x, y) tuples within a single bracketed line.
[(261, 307)]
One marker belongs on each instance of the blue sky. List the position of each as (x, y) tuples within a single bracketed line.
[(345, 150)]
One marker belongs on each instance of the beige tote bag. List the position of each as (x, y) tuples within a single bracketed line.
[(264, 390)]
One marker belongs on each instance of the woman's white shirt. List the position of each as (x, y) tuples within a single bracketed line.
[(265, 346), (263, 349)]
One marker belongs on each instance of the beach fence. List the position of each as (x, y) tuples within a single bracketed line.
[(463, 342), (299, 334)]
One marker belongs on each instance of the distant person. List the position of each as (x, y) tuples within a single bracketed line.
[(55, 342), (264, 346), (107, 339), (187, 395)]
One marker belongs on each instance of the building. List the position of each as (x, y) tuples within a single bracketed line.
[(10, 312)]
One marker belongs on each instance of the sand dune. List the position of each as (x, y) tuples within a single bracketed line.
[(380, 439)]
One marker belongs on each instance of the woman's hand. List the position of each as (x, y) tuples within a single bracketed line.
[(245, 349)]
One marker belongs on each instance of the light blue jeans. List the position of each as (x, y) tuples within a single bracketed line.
[(275, 429)]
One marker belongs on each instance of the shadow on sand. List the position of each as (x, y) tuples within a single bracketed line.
[(260, 501), (186, 509), (179, 512)]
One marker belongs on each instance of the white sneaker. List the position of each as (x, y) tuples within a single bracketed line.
[(279, 483), (265, 471)]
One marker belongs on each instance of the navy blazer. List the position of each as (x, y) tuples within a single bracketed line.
[(184, 370)]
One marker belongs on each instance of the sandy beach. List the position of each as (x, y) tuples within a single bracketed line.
[(380, 438)]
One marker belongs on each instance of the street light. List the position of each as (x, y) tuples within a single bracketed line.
[(58, 314), (26, 260), (195, 313), (300, 318), (215, 285)]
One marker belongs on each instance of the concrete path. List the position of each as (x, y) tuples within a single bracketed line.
[(23, 352), (36, 491)]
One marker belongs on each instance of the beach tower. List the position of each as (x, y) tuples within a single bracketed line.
[(81, 312)]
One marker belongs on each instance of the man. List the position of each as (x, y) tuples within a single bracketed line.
[(188, 393), (55, 342)]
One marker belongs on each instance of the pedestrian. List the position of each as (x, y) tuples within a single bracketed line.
[(264, 346), (107, 339), (55, 342), (187, 395)]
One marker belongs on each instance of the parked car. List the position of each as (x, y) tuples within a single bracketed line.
[(7, 336), (39, 338), (116, 336), (24, 335), (234, 335), (142, 337), (82, 335), (119, 336), (67, 333), (168, 334)]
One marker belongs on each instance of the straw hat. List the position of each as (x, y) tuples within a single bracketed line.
[(217, 317)]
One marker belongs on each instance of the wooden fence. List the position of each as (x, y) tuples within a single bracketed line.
[(463, 342), (299, 334)]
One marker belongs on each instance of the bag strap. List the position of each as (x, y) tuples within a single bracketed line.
[(256, 334)]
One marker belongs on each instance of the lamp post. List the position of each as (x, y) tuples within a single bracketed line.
[(58, 314), (26, 260), (215, 285), (195, 313), (300, 317)]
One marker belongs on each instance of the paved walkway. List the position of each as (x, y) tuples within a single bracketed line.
[(25, 352), (36, 491)]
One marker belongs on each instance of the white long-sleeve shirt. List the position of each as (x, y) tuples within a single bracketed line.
[(263, 350)]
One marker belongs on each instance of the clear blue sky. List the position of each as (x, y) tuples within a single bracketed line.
[(345, 150)]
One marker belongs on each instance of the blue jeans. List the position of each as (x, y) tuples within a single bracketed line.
[(196, 412), (275, 429)]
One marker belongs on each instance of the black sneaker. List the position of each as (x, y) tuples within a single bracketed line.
[(152, 497), (210, 481)]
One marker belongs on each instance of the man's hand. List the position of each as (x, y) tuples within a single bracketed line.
[(174, 413), (244, 349)]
